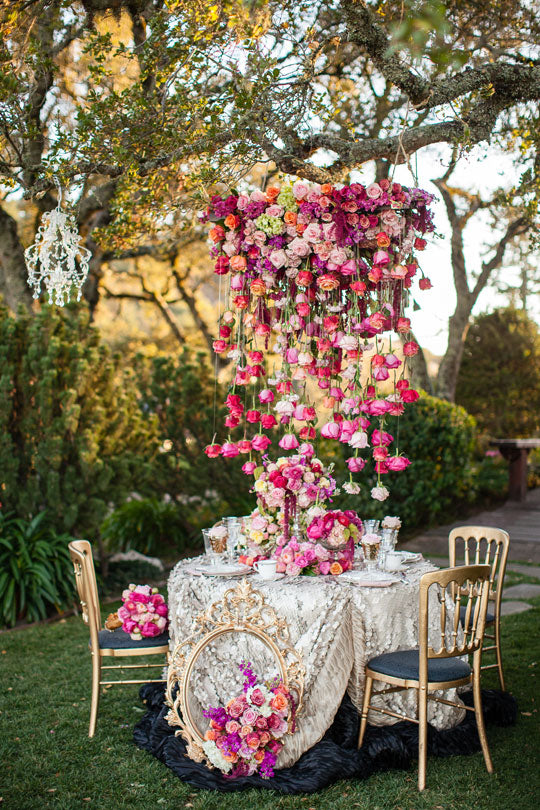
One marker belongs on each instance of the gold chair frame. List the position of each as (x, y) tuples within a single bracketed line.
[(241, 610), (495, 554), (465, 639), (85, 580)]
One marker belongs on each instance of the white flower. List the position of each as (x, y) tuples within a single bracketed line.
[(379, 493), (348, 342), (284, 407), (218, 531), (351, 488), (215, 756), (359, 440)]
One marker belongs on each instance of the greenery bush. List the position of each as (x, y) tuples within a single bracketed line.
[(146, 525), (35, 569), (499, 378), (73, 440), (438, 437), (182, 394)]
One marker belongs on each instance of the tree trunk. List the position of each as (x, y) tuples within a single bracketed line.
[(458, 326), (13, 272)]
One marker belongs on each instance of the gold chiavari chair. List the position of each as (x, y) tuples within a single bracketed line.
[(428, 669), (484, 545), (103, 643)]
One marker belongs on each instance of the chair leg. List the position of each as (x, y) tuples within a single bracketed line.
[(96, 677), (422, 737), (498, 653), (367, 697), (477, 695)]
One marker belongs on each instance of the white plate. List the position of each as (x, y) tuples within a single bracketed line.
[(223, 570), (408, 557), (368, 579), (269, 579)]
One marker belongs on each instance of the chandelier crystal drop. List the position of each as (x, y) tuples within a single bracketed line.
[(57, 260)]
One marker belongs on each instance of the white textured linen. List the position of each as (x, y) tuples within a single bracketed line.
[(336, 626)]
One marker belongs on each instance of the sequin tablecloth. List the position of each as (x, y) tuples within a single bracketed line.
[(336, 626)]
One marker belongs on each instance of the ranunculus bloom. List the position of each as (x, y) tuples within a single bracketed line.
[(241, 301), (359, 439), (266, 395), (380, 453), (253, 416), (378, 407), (212, 450), (358, 287), (304, 278), (331, 323), (380, 374), (249, 467), (244, 446), (220, 346), (380, 493), (403, 325)]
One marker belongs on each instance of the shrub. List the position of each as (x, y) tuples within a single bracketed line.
[(499, 378), (35, 569), (438, 437), (72, 437), (146, 525), (182, 394)]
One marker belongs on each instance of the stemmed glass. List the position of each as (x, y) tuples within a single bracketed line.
[(215, 546), (234, 530)]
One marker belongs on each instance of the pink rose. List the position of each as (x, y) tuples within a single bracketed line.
[(162, 610), (289, 442), (260, 443), (278, 258), (397, 463), (261, 723), (312, 232), (380, 374), (232, 727), (229, 450), (331, 430), (136, 596), (149, 629), (128, 625), (249, 717), (235, 708), (266, 395), (300, 190), (299, 247), (249, 467), (324, 567), (374, 191), (378, 407), (391, 361), (257, 697), (355, 464)]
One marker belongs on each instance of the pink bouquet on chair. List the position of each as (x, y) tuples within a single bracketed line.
[(144, 613)]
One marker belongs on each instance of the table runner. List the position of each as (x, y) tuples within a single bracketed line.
[(336, 626)]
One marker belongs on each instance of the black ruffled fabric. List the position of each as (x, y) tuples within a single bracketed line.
[(335, 757)]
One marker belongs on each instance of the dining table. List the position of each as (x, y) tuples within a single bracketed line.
[(335, 624)]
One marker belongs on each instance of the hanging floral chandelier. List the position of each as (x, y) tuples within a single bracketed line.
[(318, 280), (57, 261)]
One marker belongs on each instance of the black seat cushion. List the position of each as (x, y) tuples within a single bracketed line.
[(404, 664), (490, 617), (120, 640)]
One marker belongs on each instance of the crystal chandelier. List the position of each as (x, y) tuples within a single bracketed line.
[(57, 260)]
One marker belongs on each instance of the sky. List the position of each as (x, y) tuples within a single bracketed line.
[(484, 169)]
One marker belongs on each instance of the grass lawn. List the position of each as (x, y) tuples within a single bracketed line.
[(48, 761)]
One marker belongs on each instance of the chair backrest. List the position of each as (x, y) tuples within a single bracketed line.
[(85, 580), (451, 587), (481, 545)]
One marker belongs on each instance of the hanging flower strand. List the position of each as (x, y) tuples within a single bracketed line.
[(321, 274)]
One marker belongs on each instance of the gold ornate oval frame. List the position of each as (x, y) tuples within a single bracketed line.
[(241, 610)]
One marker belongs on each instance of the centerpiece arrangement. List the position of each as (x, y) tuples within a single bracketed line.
[(144, 613), (316, 275)]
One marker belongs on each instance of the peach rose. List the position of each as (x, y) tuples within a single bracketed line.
[(238, 263), (336, 569), (279, 702), (328, 282), (290, 218), (257, 287)]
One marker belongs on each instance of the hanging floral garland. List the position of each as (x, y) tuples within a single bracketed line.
[(317, 285)]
